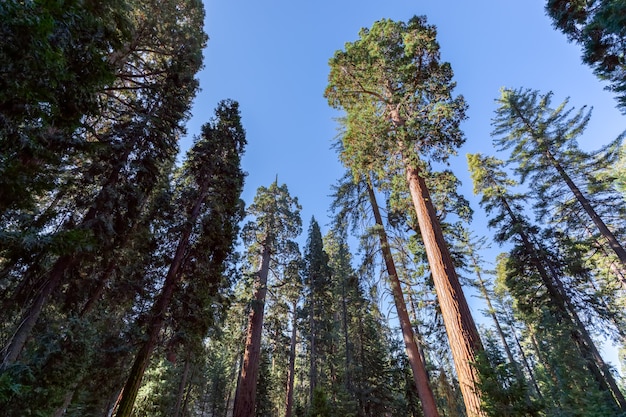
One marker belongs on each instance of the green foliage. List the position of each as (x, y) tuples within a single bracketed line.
[(598, 27), (277, 220), (54, 61), (319, 404), (397, 96), (504, 394)]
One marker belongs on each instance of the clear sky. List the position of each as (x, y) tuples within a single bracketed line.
[(272, 56)]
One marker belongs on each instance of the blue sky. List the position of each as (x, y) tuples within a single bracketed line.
[(272, 57)]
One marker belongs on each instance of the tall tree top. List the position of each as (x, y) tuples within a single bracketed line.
[(277, 219), (527, 124), (397, 94)]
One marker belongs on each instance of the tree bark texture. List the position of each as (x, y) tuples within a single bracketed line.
[(420, 377), (462, 333), (245, 398), (181, 389), (29, 318)]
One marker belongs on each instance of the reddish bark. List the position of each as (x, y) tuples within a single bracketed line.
[(133, 383), (245, 398), (462, 333), (420, 377)]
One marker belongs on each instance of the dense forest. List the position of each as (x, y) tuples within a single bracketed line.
[(135, 281)]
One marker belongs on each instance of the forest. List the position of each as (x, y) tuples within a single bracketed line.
[(136, 281)]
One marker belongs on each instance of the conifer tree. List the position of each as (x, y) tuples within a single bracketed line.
[(318, 308), (211, 183), (392, 85), (543, 143), (598, 27), (532, 259), (102, 193), (270, 238)]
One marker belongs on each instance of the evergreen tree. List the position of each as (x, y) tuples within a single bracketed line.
[(393, 86), (59, 258), (318, 308), (55, 65), (599, 27), (269, 237), (535, 272), (543, 143), (211, 183)]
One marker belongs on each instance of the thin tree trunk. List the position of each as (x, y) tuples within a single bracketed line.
[(67, 400), (131, 388), (531, 374), (186, 399), (292, 362), (245, 398), (181, 388), (346, 337), (546, 365), (12, 351), (595, 218), (313, 350), (494, 317), (579, 333), (31, 316), (99, 290), (420, 376), (462, 333)]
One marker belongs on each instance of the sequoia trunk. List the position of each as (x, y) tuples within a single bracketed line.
[(245, 399), (462, 333)]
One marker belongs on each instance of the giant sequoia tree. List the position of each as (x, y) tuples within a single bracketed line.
[(269, 238), (392, 80)]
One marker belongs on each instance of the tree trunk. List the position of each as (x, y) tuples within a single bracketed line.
[(595, 218), (181, 388), (462, 333), (420, 377), (313, 350), (527, 366), (159, 308), (346, 338), (245, 398), (29, 318), (67, 400), (12, 351), (494, 317), (292, 363), (579, 333)]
